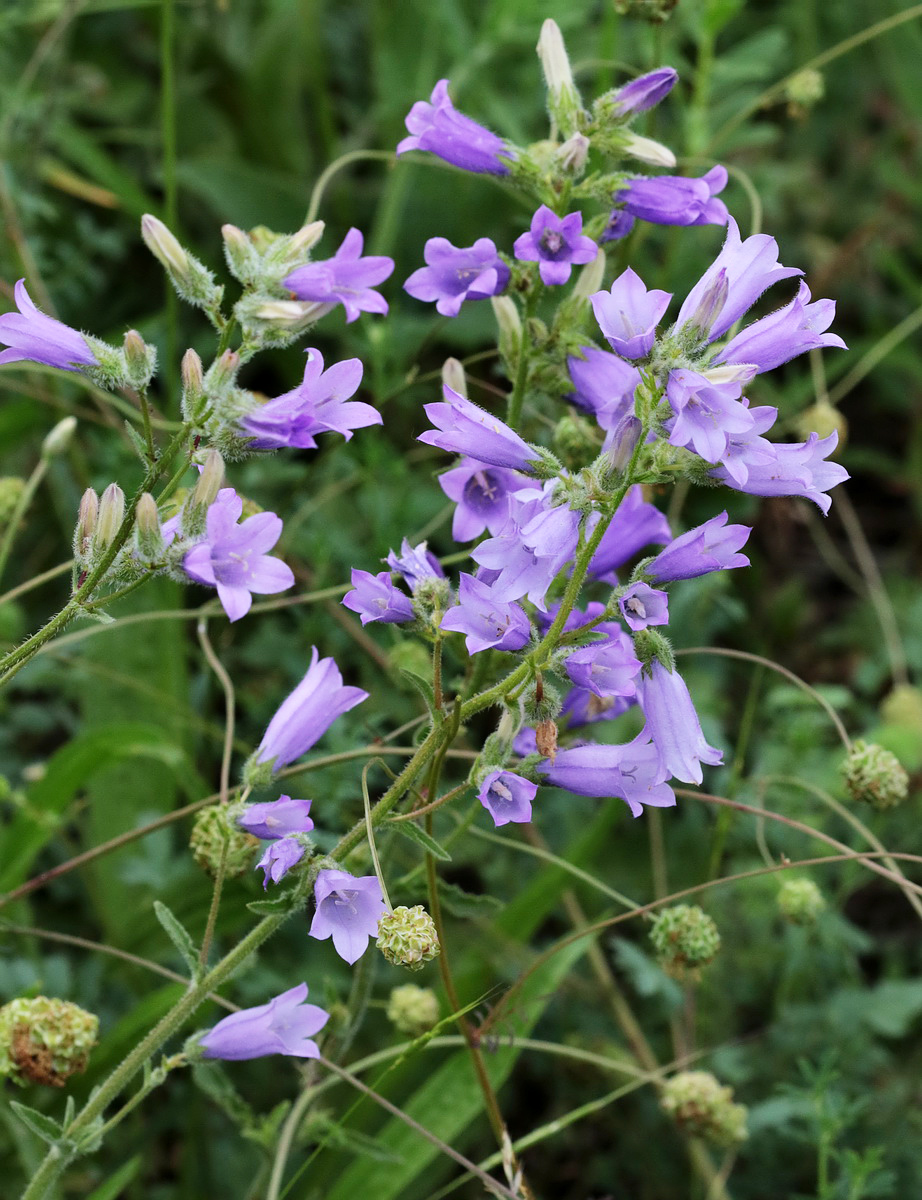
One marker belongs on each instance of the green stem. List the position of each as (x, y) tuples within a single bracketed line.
[(517, 397), (170, 205), (22, 505), (337, 165)]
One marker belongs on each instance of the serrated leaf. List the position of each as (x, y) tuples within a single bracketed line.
[(47, 1128), (466, 904), (415, 834), (179, 936)]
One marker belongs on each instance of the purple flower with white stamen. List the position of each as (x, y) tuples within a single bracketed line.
[(713, 546), (278, 859), (606, 668), (633, 772), (33, 336), (487, 622), (706, 414), (642, 605), (376, 598), (347, 278), (233, 557), (672, 723), (507, 797), (791, 469), (453, 274), (604, 385), (307, 713), (781, 336), (583, 707), (415, 564), (645, 91), (628, 314), (437, 126), (636, 524), (278, 819), (732, 284), (283, 1026), (556, 244), (676, 200), (749, 448), (348, 910), (317, 405), (463, 428), (482, 496)]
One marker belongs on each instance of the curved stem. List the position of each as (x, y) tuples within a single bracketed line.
[(22, 505), (337, 165)]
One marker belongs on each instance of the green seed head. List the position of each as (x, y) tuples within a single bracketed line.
[(43, 1040), (216, 836), (413, 1009), (874, 776), (800, 901), (407, 937), (704, 1107), (685, 939)]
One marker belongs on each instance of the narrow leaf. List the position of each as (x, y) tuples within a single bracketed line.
[(47, 1128), (415, 834), (179, 936)]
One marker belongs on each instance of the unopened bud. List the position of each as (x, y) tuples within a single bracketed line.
[(43, 1040), (703, 1107), (800, 901), (623, 441), (148, 534), (453, 376), (875, 776), (164, 246), (647, 150), (223, 372), (563, 99), (140, 360), (685, 939), (210, 481), (59, 438), (407, 937), (86, 524), (192, 376), (111, 515), (306, 237), (413, 1009), (217, 838), (823, 418), (191, 278), (510, 326), (573, 153), (590, 277)]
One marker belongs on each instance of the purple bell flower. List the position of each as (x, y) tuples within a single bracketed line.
[(233, 557), (583, 707), (628, 314), (604, 385), (316, 405), (507, 797), (454, 274), (415, 564), (605, 668), (713, 546), (675, 200), (672, 723), (633, 772), (278, 859), (33, 336), (556, 244), (706, 414), (437, 126), (620, 224), (463, 428), (790, 469), (307, 713), (278, 819), (283, 1026), (376, 598), (784, 334), (487, 622), (645, 91), (482, 496), (636, 524), (348, 910), (347, 278), (642, 605)]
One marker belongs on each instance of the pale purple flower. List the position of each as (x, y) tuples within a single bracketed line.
[(233, 557), (278, 819), (317, 405), (583, 707), (507, 797), (415, 563), (283, 1026), (605, 668), (706, 414), (482, 497), (628, 314), (784, 334), (347, 278), (604, 385), (675, 200), (713, 546), (376, 598), (791, 469), (636, 524), (33, 336), (556, 244), (672, 723), (645, 91), (633, 772), (278, 859), (642, 605), (307, 713), (750, 449), (732, 284), (437, 126), (620, 224), (348, 910), (463, 428), (487, 622), (453, 274)]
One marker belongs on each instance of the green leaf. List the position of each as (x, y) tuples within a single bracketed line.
[(47, 1128), (412, 831), (114, 1186), (271, 908), (464, 904), (424, 687), (179, 936)]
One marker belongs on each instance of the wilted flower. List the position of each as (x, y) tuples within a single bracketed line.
[(285, 1025), (278, 859)]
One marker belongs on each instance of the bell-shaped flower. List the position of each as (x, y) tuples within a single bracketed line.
[(628, 314), (673, 725), (415, 564), (481, 494), (633, 772), (278, 819), (706, 414), (507, 797), (604, 385), (675, 200), (790, 469), (556, 244), (453, 274), (784, 334), (278, 859), (463, 428), (348, 910), (437, 126), (642, 605), (347, 278), (713, 546), (285, 1025), (488, 623), (377, 598), (33, 336), (605, 668)]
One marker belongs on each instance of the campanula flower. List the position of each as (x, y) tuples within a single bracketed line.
[(628, 314), (791, 469), (673, 725), (377, 598), (33, 336), (605, 668), (644, 92), (642, 605), (283, 1026), (437, 126), (675, 200), (348, 910), (713, 546), (415, 564), (604, 385), (507, 797), (556, 244), (347, 278), (453, 274), (278, 859), (784, 334), (463, 428), (486, 621), (706, 414), (633, 772), (278, 819), (481, 494)]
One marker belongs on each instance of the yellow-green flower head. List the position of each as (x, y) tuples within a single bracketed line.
[(704, 1107), (43, 1040), (215, 835), (685, 939), (874, 776), (407, 937), (413, 1009)]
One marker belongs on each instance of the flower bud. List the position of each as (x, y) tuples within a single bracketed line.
[(572, 156), (86, 525), (148, 536), (685, 939), (164, 246), (216, 836), (191, 278), (306, 237), (210, 481), (647, 150), (243, 259), (563, 99), (43, 1040), (140, 360), (510, 326), (875, 776), (412, 1009), (11, 490), (59, 438), (800, 901), (191, 371), (704, 1108), (407, 937), (708, 309), (453, 376), (624, 439), (111, 515)]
